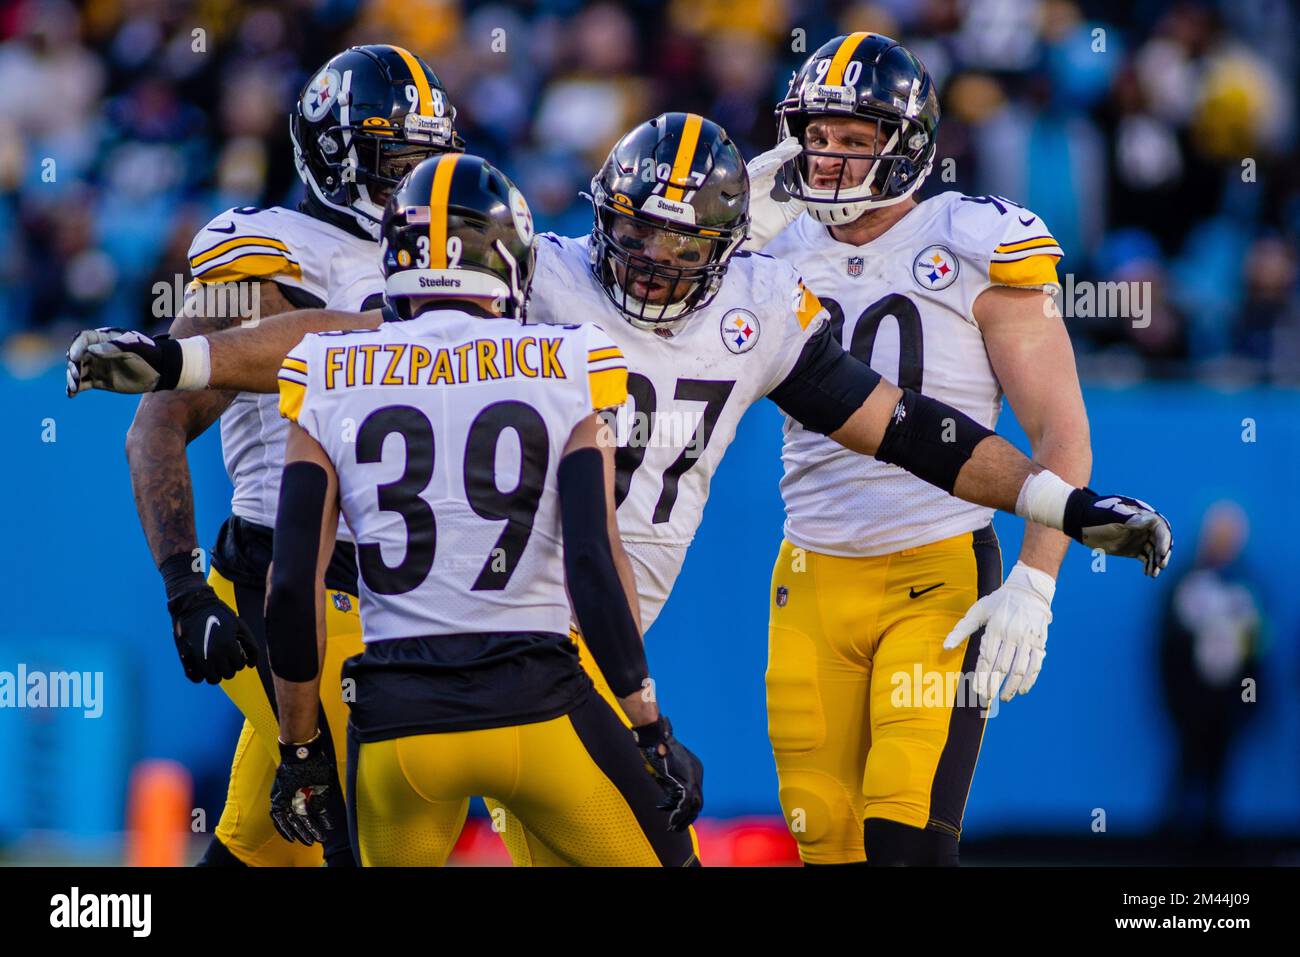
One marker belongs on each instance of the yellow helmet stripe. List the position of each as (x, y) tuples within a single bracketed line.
[(684, 158), (438, 194), (421, 81), (835, 75)]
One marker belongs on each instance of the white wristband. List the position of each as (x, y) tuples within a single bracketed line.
[(196, 364), (1034, 579), (1042, 499)]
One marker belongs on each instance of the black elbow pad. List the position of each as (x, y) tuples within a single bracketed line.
[(291, 605), (930, 439)]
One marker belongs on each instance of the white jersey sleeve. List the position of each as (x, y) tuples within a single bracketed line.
[(248, 243), (1004, 244), (782, 294), (310, 261)]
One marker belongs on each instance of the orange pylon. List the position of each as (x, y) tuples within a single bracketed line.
[(159, 805)]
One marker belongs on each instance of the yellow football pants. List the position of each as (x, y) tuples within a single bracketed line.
[(526, 850), (868, 715), (575, 783), (245, 827)]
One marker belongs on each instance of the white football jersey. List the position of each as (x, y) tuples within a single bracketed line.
[(295, 251), (446, 432), (904, 304), (687, 391)]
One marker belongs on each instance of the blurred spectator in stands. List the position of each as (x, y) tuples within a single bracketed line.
[(1209, 652), (1104, 118)]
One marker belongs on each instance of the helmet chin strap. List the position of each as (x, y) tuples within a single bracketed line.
[(369, 223)]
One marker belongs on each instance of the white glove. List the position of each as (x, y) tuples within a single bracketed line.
[(1015, 619), (767, 216)]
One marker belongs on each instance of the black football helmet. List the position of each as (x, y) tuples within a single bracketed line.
[(457, 227), (362, 122), (873, 78), (671, 206)]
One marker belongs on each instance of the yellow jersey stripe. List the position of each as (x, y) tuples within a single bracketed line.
[(252, 266), (438, 194), (421, 81), (291, 398), (835, 75), (684, 158), (1034, 243), (221, 249), (297, 365), (608, 352), (1033, 271), (608, 387)]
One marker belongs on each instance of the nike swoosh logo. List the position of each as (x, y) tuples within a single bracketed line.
[(1023, 221), (913, 593), (231, 229), (207, 633)]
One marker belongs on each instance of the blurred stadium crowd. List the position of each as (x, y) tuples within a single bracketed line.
[(1156, 139)]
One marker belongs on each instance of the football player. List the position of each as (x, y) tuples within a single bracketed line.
[(365, 118), (463, 448), (880, 576), (706, 333)]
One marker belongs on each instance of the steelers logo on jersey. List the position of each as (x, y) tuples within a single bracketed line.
[(935, 267), (321, 94), (739, 330)]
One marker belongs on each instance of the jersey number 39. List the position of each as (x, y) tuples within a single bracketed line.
[(517, 507)]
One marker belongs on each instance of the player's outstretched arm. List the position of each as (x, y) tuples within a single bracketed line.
[(241, 359), (1031, 355), (212, 642), (305, 524), (831, 392), (602, 588)]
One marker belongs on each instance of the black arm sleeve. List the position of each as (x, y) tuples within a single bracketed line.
[(594, 586), (930, 439), (291, 605), (826, 385)]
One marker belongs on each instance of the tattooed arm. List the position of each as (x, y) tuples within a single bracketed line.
[(165, 423)]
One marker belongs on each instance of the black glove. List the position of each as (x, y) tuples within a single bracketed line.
[(212, 641), (301, 793), (1120, 525), (677, 771), (123, 360)]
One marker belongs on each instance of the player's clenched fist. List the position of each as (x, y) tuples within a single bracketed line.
[(1120, 525), (123, 360), (676, 769), (212, 641), (300, 793)]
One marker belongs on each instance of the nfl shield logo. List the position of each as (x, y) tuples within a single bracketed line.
[(782, 596), (855, 266), (342, 602)]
